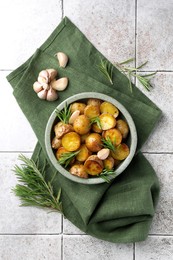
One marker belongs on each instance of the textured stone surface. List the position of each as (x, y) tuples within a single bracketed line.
[(30, 247), (24, 27), (155, 248), (89, 248), (154, 34), (18, 133), (69, 228), (109, 25), (163, 223), (21, 220), (162, 95)]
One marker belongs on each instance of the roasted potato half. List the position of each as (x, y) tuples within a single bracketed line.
[(114, 135), (109, 163), (94, 142), (93, 165), (94, 102), (82, 125), (60, 129), (107, 107), (92, 111), (83, 154), (107, 121), (77, 106), (123, 127), (121, 152), (79, 170), (71, 141)]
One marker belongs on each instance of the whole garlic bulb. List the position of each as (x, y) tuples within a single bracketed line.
[(42, 94), (52, 95)]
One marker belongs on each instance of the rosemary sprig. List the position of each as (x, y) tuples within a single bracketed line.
[(66, 158), (107, 143), (107, 69), (34, 190), (97, 121), (132, 72), (106, 173), (64, 114)]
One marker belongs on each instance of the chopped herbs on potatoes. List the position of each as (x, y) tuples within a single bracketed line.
[(89, 135)]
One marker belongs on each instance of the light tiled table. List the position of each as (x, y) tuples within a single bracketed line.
[(119, 29)]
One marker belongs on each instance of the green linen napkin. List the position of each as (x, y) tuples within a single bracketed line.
[(122, 210)]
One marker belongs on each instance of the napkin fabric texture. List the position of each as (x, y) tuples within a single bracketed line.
[(121, 211)]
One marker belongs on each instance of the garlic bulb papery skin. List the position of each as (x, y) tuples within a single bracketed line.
[(60, 84), (52, 95), (37, 87), (42, 94), (52, 74), (46, 86), (44, 74), (62, 58), (42, 80)]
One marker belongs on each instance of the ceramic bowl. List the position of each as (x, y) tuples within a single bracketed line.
[(131, 140)]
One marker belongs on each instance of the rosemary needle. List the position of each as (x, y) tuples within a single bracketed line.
[(66, 158), (107, 143), (97, 121), (33, 190), (107, 69), (132, 72), (106, 174), (64, 114)]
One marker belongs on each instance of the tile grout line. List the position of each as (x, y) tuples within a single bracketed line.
[(62, 8), (135, 33), (134, 256), (62, 246)]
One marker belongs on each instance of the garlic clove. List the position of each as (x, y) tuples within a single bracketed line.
[(42, 94), (62, 58), (37, 87), (60, 84), (52, 74), (73, 116), (46, 86), (52, 95), (42, 80), (103, 153), (44, 74)]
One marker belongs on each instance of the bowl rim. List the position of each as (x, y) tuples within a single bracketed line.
[(74, 98)]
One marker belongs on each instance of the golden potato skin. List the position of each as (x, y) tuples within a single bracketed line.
[(56, 143), (121, 152), (77, 106), (61, 150), (71, 141), (94, 142), (123, 127), (96, 128), (83, 137), (92, 111), (82, 125), (60, 129), (94, 102), (93, 165), (107, 107), (107, 121), (109, 163), (79, 170), (83, 154), (114, 135)]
